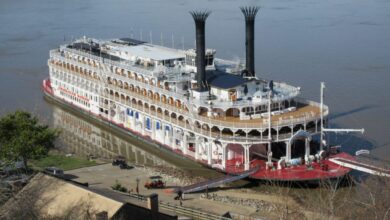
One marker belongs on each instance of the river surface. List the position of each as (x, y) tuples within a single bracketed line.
[(345, 43)]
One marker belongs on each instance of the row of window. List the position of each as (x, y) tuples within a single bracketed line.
[(264, 108), (76, 99), (148, 121), (75, 90), (93, 62), (80, 59)]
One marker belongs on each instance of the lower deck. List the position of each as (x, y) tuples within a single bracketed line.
[(325, 169)]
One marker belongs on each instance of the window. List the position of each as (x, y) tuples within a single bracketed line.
[(148, 123), (158, 125)]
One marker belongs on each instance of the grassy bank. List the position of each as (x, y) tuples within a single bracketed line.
[(60, 161)]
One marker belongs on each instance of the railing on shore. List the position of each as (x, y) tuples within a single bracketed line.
[(186, 211)]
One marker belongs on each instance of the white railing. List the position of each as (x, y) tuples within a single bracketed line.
[(73, 71), (215, 122), (192, 128), (173, 74), (232, 125), (161, 91), (292, 91), (125, 64), (149, 100), (210, 121)]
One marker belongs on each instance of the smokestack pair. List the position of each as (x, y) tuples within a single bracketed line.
[(200, 20)]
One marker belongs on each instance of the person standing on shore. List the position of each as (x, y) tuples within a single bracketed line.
[(136, 188)]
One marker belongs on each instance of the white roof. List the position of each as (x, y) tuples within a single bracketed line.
[(152, 52)]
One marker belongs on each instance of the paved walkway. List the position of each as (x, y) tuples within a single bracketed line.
[(104, 176)]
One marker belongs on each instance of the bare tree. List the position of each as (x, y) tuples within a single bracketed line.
[(32, 201), (372, 199)]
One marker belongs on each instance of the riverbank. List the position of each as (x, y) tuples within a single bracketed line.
[(64, 162), (236, 200)]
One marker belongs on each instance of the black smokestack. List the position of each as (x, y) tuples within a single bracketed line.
[(250, 15), (200, 21)]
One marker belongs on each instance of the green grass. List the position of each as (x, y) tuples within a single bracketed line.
[(60, 161)]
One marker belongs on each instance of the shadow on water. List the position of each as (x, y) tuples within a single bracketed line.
[(349, 142), (342, 114)]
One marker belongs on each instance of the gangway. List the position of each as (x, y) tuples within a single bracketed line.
[(217, 181), (361, 166), (264, 156)]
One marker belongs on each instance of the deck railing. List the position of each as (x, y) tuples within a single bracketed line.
[(128, 65), (125, 64), (74, 71), (191, 127), (238, 125), (263, 124), (161, 91)]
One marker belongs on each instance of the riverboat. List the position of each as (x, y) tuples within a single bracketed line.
[(213, 111)]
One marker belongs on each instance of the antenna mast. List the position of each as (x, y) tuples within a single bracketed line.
[(322, 116), (173, 41), (269, 125), (335, 130)]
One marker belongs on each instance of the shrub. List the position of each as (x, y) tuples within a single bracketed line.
[(118, 187)]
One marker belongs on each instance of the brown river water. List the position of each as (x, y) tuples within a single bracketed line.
[(345, 43)]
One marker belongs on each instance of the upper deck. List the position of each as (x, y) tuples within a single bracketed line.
[(295, 113), (175, 69), (237, 105)]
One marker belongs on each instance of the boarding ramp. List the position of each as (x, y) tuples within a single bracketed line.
[(217, 181), (362, 165), (265, 156)]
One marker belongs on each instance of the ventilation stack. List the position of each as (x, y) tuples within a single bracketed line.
[(250, 15), (200, 21)]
